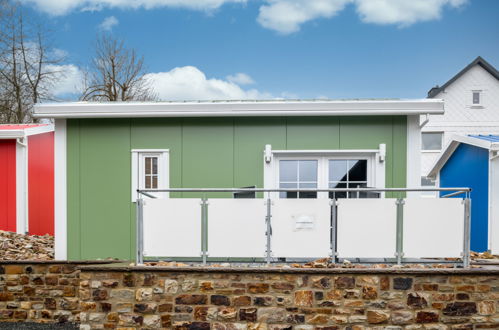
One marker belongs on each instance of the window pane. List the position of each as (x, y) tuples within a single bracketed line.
[(155, 182), (293, 185), (308, 185), (431, 141), (308, 170), (308, 194), (288, 171), (337, 170), (155, 165), (148, 182), (358, 170), (148, 165), (476, 97), (425, 182)]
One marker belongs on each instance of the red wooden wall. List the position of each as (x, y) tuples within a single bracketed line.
[(8, 185), (41, 184)]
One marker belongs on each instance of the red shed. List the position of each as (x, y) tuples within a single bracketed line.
[(27, 178)]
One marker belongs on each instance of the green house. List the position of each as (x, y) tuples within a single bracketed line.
[(104, 152)]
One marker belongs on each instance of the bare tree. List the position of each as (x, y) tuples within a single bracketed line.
[(28, 66), (116, 74)]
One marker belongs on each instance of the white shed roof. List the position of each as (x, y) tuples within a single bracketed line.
[(239, 108), (482, 141)]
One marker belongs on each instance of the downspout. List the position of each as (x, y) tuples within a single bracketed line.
[(427, 119), (22, 141)]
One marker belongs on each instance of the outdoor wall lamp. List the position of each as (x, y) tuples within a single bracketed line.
[(268, 153), (382, 152)]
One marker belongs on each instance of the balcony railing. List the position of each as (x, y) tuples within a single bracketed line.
[(271, 229)]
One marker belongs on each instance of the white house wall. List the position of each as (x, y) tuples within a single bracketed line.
[(460, 117)]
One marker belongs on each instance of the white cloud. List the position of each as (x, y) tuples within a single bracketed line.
[(62, 7), (108, 23), (240, 79), (287, 16), (403, 12), (70, 80), (190, 83)]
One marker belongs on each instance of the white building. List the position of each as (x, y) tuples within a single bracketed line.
[(471, 107)]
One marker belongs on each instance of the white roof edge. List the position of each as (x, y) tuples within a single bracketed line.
[(23, 132), (454, 142), (238, 108)]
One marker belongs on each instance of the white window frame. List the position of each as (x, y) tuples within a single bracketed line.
[(138, 156), (375, 165), (480, 98), (442, 136)]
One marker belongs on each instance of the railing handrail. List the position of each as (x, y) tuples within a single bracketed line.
[(457, 189)]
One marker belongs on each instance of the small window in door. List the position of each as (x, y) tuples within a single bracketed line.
[(298, 174), (150, 172)]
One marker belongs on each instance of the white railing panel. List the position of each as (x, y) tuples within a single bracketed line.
[(433, 227), (236, 228), (301, 228), (172, 227), (367, 228)]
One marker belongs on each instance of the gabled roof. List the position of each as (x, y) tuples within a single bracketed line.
[(15, 131), (239, 108), (489, 142), (478, 61)]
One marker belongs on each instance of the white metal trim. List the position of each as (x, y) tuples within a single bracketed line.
[(21, 185), (60, 190), (39, 130), (413, 170), (238, 108), (20, 133), (493, 228), (452, 146)]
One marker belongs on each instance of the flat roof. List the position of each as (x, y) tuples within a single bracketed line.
[(15, 131), (239, 108)]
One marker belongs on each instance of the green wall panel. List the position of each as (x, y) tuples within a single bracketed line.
[(208, 154), (250, 137), (104, 189), (313, 133), (204, 152)]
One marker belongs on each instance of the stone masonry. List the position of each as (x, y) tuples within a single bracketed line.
[(121, 297), (226, 299), (39, 291)]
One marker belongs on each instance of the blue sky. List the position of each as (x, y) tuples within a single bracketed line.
[(283, 48)]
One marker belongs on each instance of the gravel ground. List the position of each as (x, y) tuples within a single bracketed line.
[(36, 326)]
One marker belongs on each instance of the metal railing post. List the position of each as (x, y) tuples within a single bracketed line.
[(333, 228), (204, 229), (139, 241), (268, 232), (467, 232), (400, 230)]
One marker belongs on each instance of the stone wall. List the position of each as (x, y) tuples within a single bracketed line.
[(43, 292), (114, 296), (300, 299)]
